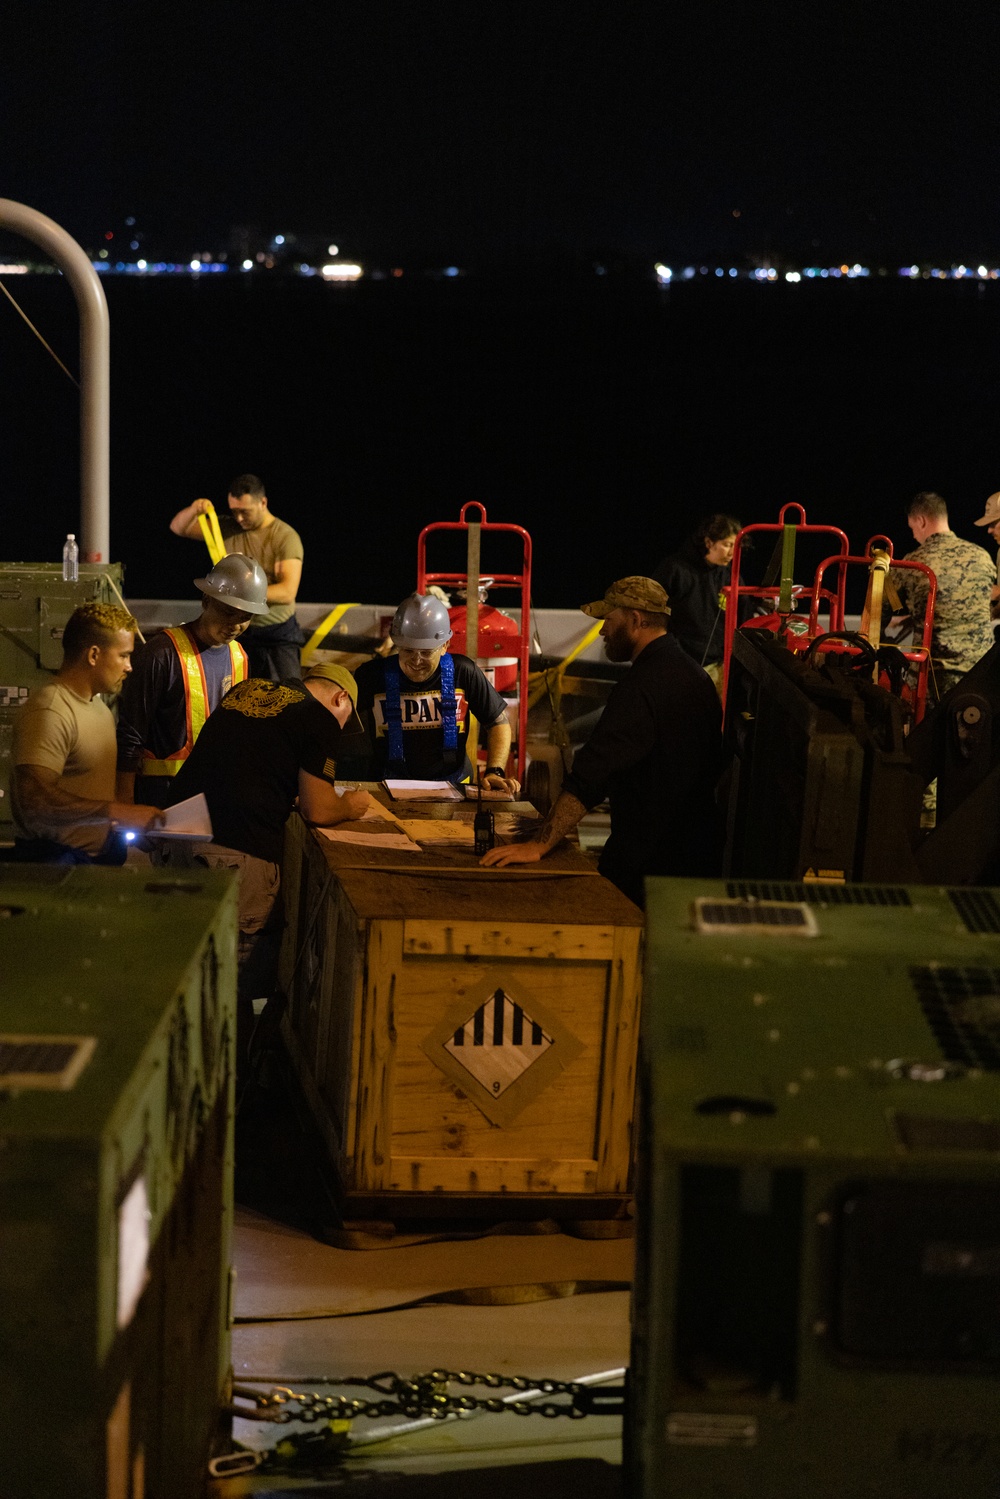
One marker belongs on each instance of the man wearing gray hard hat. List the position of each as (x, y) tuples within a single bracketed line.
[(181, 675), (416, 705), (655, 754)]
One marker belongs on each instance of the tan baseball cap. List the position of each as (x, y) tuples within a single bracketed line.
[(330, 671), (630, 593), (992, 513)]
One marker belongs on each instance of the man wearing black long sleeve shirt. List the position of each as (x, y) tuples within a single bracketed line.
[(655, 754)]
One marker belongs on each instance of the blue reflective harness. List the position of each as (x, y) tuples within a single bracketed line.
[(394, 712)]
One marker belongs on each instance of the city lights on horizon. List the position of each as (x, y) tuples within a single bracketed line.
[(310, 253), (666, 275), (341, 270), (347, 272)]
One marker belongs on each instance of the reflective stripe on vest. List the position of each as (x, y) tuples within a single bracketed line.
[(394, 710), (195, 698)]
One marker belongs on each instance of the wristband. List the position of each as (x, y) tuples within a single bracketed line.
[(495, 770)]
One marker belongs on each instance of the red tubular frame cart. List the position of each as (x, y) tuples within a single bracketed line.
[(920, 655), (521, 581), (782, 593)]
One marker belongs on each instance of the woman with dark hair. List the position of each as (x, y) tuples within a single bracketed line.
[(693, 578)]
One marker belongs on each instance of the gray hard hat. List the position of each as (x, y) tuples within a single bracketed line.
[(421, 623), (237, 581)]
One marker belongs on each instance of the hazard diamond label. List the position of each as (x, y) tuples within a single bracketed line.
[(498, 1043)]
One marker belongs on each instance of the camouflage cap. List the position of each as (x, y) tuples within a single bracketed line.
[(331, 671), (992, 513), (630, 593)]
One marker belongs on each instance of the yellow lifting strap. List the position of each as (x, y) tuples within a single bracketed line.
[(195, 697), (318, 635), (209, 523), (871, 615), (472, 741), (539, 680)]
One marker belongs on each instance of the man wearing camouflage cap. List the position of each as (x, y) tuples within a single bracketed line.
[(991, 520), (655, 754)]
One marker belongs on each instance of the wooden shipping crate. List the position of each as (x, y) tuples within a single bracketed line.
[(463, 1035)]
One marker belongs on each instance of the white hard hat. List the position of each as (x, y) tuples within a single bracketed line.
[(421, 623)]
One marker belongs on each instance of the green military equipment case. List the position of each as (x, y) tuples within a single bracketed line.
[(117, 1030), (35, 604), (817, 1295)]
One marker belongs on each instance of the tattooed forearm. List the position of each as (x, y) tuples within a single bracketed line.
[(562, 819)]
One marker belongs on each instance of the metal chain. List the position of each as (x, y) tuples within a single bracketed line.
[(421, 1396)]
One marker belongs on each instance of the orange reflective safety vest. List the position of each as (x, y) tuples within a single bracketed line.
[(195, 698)]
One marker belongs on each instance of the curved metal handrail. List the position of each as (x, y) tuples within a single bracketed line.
[(95, 368)]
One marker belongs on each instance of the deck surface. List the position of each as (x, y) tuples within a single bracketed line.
[(307, 1309)]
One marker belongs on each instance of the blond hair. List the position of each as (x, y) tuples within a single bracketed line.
[(95, 623)]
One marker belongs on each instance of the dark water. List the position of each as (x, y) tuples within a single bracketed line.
[(602, 417)]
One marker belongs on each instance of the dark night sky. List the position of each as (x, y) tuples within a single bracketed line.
[(471, 129)]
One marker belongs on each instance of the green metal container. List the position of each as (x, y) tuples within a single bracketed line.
[(117, 1029), (817, 1295), (35, 604)]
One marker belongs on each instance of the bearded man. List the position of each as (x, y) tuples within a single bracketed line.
[(655, 754)]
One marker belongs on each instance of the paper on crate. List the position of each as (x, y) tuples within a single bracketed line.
[(397, 841), (423, 791), (434, 829)]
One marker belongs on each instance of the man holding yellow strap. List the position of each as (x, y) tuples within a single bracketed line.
[(250, 529), (180, 676)]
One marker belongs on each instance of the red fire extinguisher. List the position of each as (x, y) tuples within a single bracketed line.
[(496, 642)]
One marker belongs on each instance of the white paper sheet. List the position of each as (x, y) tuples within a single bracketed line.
[(423, 791), (374, 812), (396, 841), (187, 819)]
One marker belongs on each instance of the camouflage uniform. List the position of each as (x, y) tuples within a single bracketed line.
[(963, 630)]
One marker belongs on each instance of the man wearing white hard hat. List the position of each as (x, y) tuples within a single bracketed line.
[(416, 705)]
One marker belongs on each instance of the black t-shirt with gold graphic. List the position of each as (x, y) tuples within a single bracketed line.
[(247, 760), (420, 709)]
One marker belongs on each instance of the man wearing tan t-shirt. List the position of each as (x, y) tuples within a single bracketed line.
[(65, 750), (272, 642)]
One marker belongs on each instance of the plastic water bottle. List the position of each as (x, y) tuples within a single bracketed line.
[(71, 560)]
